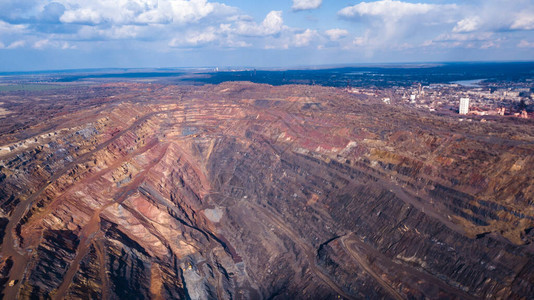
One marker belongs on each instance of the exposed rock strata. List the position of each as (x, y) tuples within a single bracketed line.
[(244, 191)]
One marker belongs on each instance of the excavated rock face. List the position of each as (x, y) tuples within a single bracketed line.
[(245, 191)]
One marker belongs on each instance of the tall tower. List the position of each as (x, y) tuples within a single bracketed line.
[(464, 106)]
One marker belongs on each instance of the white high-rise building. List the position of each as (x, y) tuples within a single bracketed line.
[(464, 106)]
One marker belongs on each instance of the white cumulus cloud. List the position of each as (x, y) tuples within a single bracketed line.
[(46, 43), (16, 44), (495, 15), (41, 44), (11, 28), (391, 9), (336, 33), (467, 25), (306, 4), (83, 15), (272, 24), (202, 37), (140, 11), (114, 32), (305, 38), (375, 26), (481, 40), (393, 23), (524, 21), (196, 38)]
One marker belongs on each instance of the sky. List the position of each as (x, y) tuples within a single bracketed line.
[(76, 34)]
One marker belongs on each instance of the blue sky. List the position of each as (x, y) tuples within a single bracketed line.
[(69, 34)]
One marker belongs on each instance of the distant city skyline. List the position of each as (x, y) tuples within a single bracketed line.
[(74, 34)]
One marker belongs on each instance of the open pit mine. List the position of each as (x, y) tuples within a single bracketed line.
[(249, 191)]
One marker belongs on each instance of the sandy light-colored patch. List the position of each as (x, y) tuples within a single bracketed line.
[(3, 112), (214, 214)]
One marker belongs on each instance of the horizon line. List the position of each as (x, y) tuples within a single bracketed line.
[(274, 68)]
